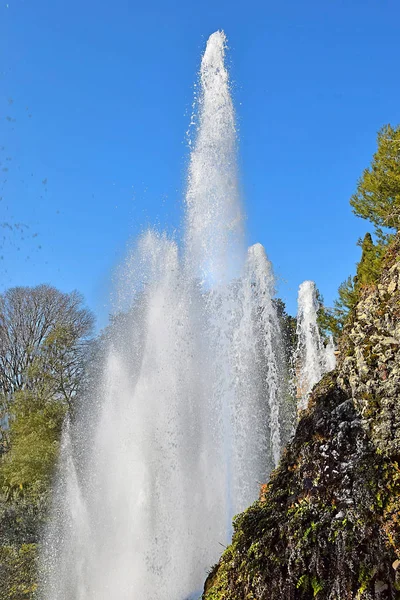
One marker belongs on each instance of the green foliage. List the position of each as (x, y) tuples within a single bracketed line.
[(303, 582), (378, 191), (377, 199), (370, 266), (368, 272), (327, 322), (44, 333), (288, 327), (35, 434), (18, 572), (317, 586), (348, 298), (57, 370), (25, 475), (51, 381), (22, 516), (44, 344)]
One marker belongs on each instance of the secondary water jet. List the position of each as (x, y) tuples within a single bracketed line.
[(313, 358)]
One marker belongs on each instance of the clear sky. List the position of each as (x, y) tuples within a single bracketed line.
[(96, 98)]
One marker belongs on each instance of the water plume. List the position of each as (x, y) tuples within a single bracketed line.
[(214, 220), (184, 421), (313, 359)]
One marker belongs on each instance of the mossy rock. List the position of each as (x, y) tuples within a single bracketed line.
[(327, 526)]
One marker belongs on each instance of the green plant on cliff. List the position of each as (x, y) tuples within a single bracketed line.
[(327, 322), (377, 197), (370, 266), (368, 272), (346, 301)]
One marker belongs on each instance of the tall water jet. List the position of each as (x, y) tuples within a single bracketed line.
[(214, 220), (185, 419), (313, 359), (214, 245)]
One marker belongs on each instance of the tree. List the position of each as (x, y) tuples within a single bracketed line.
[(369, 267), (35, 436), (327, 322), (288, 328), (348, 298), (37, 321), (378, 191), (44, 336), (367, 274), (44, 343), (377, 199)]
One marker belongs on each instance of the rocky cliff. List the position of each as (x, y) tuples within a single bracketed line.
[(327, 525)]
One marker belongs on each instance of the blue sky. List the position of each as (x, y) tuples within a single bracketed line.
[(96, 98)]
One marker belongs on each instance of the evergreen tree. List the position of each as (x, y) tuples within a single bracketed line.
[(377, 199), (378, 191), (369, 267), (327, 323), (368, 271), (348, 298)]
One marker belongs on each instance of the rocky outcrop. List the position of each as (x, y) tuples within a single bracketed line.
[(370, 357), (327, 525)]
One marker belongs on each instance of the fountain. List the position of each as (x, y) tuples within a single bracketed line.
[(185, 420), (313, 358)]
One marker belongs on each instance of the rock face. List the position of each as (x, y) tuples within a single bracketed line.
[(327, 525), (370, 357)]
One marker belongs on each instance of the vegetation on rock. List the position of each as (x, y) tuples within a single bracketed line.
[(327, 524), (377, 198)]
